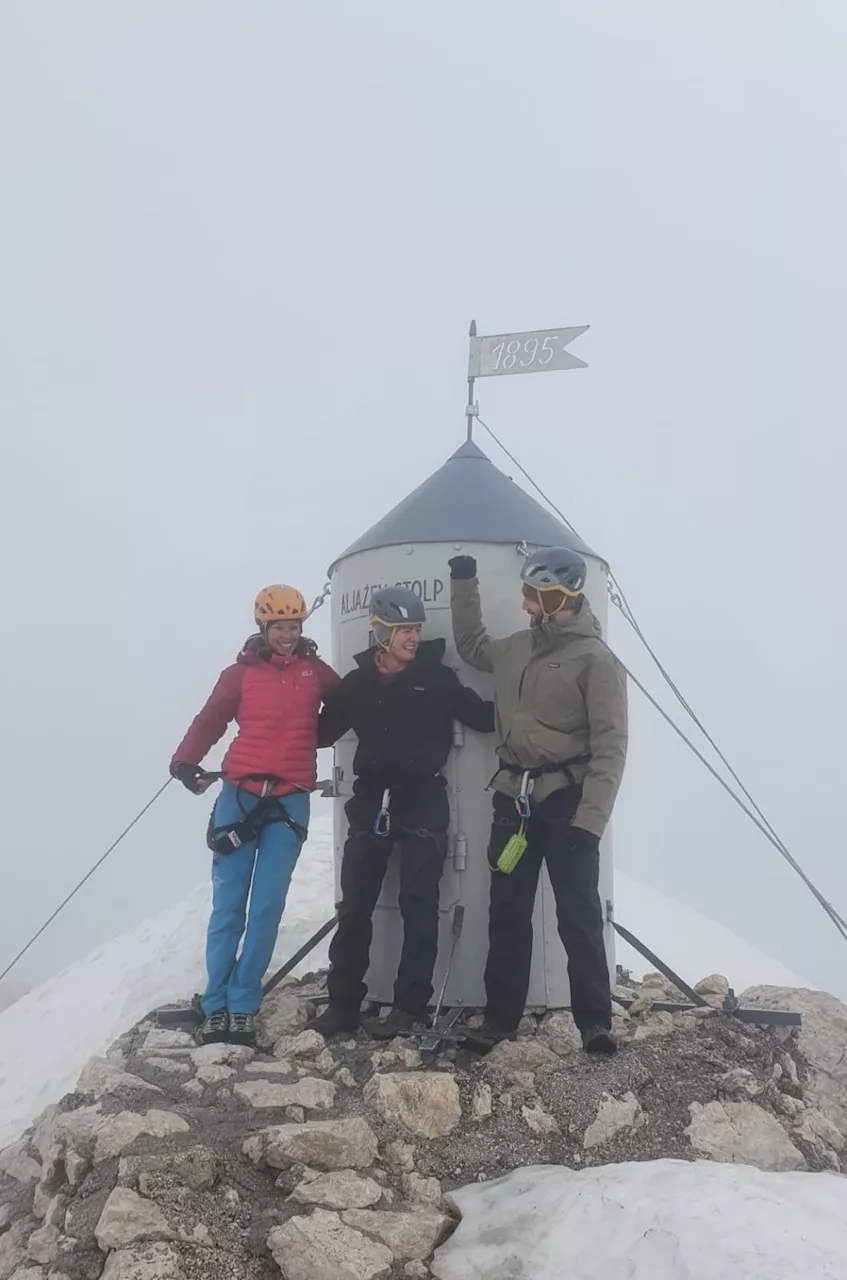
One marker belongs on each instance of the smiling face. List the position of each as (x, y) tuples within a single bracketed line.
[(404, 643), (282, 636)]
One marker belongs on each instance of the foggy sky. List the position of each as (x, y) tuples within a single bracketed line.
[(239, 249)]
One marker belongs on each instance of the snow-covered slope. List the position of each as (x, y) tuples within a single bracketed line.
[(47, 1036), (656, 1220)]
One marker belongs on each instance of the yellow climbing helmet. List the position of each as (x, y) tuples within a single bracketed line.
[(279, 603)]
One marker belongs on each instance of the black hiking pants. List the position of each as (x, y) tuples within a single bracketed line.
[(575, 880), (419, 820)]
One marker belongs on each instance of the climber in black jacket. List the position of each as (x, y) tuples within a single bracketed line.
[(401, 701)]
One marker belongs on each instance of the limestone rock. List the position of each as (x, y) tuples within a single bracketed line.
[(143, 1262), (162, 1041), (343, 1189), (194, 1088), (29, 1273), (44, 1245), (325, 1063), (17, 1164), (172, 1067), (296, 1115), (741, 1133), (481, 1103), (822, 1041), (7, 1213), (74, 1128), (281, 1014), (306, 1044), (128, 1218), (539, 1121), (193, 1167), (100, 1076), (346, 1078), (813, 1127), (521, 1055), (76, 1167), (738, 1082), (397, 1054), (559, 1032), (420, 1190), (407, 1235), (713, 989), (310, 1092), (13, 1247), (415, 1271), (120, 1131), (657, 1023), (50, 1209), (613, 1115), (222, 1055), (400, 1156), (426, 1105), (321, 1144), (658, 987), (269, 1067), (214, 1073), (322, 1247)]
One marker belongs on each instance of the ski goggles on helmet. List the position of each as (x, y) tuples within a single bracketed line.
[(551, 599)]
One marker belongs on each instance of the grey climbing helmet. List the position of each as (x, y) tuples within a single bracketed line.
[(555, 567), (392, 607)]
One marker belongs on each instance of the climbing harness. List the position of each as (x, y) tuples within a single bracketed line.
[(382, 821), (269, 808), (515, 846)]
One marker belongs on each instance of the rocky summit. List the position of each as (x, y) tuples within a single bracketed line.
[(339, 1160)]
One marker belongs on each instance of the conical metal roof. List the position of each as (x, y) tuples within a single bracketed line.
[(468, 500)]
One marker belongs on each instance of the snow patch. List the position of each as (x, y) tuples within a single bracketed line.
[(658, 1220)]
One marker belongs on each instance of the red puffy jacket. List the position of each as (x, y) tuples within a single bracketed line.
[(275, 702)]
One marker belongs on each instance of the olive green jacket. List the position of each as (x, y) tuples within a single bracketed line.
[(559, 694)]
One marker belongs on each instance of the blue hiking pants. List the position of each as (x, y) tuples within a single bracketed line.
[(260, 871)]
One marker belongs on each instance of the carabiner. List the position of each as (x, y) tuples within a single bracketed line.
[(522, 803), (382, 821)]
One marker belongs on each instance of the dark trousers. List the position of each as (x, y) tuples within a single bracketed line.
[(575, 880), (422, 850)]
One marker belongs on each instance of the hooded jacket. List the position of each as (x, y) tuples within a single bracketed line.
[(404, 722), (275, 702), (560, 696)]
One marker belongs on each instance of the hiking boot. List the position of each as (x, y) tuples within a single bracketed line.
[(335, 1020), (215, 1028), (242, 1029), (484, 1038), (398, 1022), (599, 1040)]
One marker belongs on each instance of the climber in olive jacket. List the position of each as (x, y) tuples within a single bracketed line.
[(559, 695), (561, 725)]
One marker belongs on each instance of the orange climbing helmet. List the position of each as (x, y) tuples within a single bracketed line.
[(279, 603)]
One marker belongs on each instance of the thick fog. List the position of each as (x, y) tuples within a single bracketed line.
[(241, 245)]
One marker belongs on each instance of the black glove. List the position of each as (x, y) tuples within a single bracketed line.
[(190, 775), (582, 841), (462, 568)]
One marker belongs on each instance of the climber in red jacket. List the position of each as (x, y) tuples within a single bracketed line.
[(273, 691)]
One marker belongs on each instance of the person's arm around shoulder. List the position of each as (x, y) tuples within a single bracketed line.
[(329, 678), (208, 727), (334, 720), (467, 706), (606, 707), (472, 640)]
